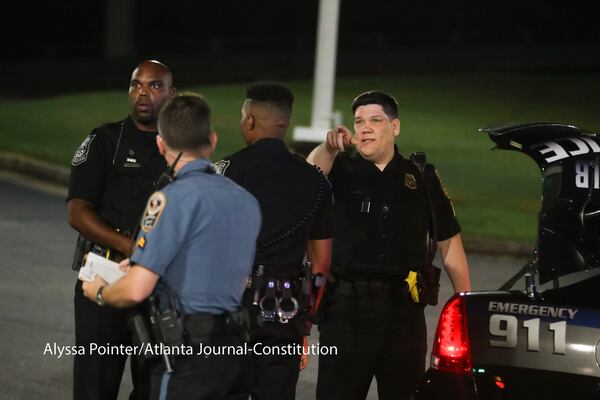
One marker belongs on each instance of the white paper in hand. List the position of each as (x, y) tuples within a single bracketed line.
[(98, 265)]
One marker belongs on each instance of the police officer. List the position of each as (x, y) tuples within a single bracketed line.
[(382, 219), (197, 237), (296, 206), (113, 173)]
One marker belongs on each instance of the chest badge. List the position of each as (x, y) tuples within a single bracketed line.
[(131, 161), (410, 181)]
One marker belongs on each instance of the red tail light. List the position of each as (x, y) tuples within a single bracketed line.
[(451, 351)]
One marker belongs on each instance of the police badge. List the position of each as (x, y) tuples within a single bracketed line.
[(155, 207), (410, 181)]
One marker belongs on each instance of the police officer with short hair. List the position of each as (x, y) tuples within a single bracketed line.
[(383, 217), (296, 205), (113, 172), (197, 238)]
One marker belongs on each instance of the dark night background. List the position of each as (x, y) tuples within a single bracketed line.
[(45, 42)]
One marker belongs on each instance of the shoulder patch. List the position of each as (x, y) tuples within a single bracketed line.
[(437, 174), (221, 166), (442, 184), (155, 207), (82, 151)]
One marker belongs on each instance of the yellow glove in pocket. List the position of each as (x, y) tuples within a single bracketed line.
[(411, 281)]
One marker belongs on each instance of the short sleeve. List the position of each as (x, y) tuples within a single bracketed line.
[(447, 222), (335, 171), (162, 233), (88, 170)]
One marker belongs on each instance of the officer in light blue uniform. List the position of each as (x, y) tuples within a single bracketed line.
[(189, 235), (197, 242)]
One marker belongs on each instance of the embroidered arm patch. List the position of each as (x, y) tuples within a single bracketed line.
[(155, 207), (82, 151)]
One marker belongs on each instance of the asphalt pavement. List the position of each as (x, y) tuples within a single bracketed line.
[(36, 307)]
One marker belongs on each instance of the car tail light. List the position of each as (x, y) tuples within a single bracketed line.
[(451, 351)]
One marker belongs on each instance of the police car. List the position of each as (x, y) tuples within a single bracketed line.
[(538, 336)]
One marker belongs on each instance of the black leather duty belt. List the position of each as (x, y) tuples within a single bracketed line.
[(373, 290), (204, 324), (107, 253)]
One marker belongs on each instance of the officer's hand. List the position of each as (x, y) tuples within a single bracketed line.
[(91, 288), (338, 138), (304, 358), (124, 265)]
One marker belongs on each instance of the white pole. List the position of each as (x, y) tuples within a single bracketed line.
[(118, 32), (324, 80)]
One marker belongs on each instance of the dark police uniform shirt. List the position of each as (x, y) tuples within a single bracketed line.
[(287, 188), (115, 169), (382, 217), (199, 234)]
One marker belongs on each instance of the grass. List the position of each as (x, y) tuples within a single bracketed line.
[(496, 194)]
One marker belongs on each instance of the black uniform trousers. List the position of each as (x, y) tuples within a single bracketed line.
[(376, 334), (97, 376), (269, 376), (199, 376)]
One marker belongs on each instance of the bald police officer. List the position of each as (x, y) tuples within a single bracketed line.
[(382, 221), (113, 172), (197, 238)]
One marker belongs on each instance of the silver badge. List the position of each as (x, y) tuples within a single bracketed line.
[(131, 161)]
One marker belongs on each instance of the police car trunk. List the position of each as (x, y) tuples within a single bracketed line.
[(538, 336)]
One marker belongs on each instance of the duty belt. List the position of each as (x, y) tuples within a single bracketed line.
[(279, 299), (371, 295), (200, 327), (107, 252), (85, 246)]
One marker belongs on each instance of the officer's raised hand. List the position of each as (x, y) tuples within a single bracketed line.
[(336, 142), (338, 138)]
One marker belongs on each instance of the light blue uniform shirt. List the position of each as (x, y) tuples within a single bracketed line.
[(199, 234)]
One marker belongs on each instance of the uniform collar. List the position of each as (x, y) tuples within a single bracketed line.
[(396, 160), (201, 164), (135, 136), (270, 143)]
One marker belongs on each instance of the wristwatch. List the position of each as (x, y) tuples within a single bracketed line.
[(99, 299)]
